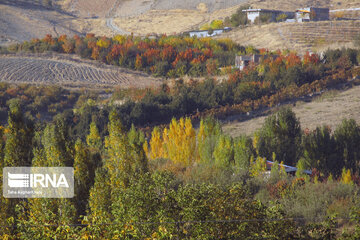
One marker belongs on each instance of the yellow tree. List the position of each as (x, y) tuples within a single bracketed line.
[(346, 176), (179, 141), (156, 144), (201, 136), (165, 143), (189, 143), (103, 42), (119, 38)]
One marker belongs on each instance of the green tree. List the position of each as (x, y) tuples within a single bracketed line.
[(83, 170), (19, 135), (100, 201), (347, 137), (16, 152), (224, 153), (125, 157), (281, 134), (93, 139), (320, 151), (209, 131), (51, 217), (57, 148), (243, 151), (136, 141)]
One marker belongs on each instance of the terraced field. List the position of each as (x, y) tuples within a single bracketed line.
[(307, 36), (70, 72)]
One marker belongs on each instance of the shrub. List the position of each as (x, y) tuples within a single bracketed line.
[(217, 24), (281, 17), (239, 18)]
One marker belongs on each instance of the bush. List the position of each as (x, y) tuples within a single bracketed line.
[(265, 18), (281, 17), (217, 24), (239, 18)]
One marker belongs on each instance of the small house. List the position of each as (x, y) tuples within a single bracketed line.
[(208, 33), (243, 61), (312, 14), (253, 14)]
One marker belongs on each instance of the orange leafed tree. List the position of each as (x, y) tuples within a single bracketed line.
[(68, 46)]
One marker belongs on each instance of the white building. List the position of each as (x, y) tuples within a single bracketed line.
[(253, 14), (205, 33)]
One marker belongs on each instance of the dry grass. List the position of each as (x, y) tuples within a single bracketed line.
[(291, 5), (22, 19), (330, 109), (68, 70), (171, 21), (311, 36)]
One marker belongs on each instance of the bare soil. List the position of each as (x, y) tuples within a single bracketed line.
[(70, 71)]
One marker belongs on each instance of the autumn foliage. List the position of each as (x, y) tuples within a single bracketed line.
[(165, 56)]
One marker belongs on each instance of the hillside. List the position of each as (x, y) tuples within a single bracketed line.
[(69, 71), (310, 36), (330, 108), (25, 19), (291, 5)]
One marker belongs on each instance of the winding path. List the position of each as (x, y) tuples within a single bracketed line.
[(110, 20), (110, 24)]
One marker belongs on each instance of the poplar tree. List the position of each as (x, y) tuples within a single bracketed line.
[(125, 157), (136, 140), (224, 152), (15, 153), (93, 140), (82, 183), (243, 151), (180, 141), (207, 137), (156, 144), (100, 199), (18, 146), (48, 211)]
